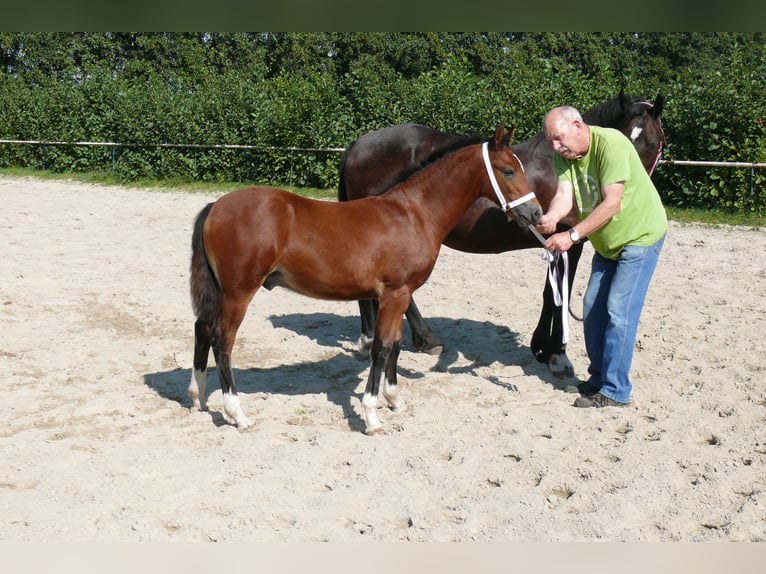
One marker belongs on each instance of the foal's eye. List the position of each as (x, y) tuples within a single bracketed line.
[(509, 172)]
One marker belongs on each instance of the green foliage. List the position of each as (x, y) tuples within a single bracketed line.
[(718, 116), (322, 90)]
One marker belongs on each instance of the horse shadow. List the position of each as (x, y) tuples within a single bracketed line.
[(338, 377), (481, 342)]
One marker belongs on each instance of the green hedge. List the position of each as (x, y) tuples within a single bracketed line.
[(222, 90)]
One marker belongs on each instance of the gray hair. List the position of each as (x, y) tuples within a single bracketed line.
[(566, 114)]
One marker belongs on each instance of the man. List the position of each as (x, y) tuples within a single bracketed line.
[(620, 212)]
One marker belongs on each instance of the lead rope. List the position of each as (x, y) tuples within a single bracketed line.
[(559, 285)]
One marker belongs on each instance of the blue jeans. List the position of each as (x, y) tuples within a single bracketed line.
[(611, 309)]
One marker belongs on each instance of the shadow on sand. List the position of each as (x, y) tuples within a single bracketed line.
[(337, 377)]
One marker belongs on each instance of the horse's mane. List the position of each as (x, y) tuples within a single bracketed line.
[(612, 113)]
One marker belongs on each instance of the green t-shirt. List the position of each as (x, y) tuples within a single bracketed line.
[(611, 159)]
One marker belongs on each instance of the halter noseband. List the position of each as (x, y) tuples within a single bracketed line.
[(506, 206)]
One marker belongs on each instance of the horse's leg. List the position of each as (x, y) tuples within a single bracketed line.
[(368, 310), (390, 388), (378, 358), (383, 355), (558, 362), (198, 382), (422, 337), (542, 334), (223, 335)]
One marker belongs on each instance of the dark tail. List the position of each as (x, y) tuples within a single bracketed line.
[(205, 292), (342, 193)]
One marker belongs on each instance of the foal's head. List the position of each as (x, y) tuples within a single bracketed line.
[(509, 180)]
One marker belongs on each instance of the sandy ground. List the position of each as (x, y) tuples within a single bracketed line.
[(98, 444)]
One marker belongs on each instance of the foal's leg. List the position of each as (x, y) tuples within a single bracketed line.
[(224, 333), (384, 354), (390, 388), (198, 382), (378, 358)]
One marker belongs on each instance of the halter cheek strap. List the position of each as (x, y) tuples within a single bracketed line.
[(662, 140), (504, 205), (659, 148)]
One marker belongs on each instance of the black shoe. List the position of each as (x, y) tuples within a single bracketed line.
[(586, 390), (597, 401)]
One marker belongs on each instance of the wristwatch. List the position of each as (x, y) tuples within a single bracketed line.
[(574, 235)]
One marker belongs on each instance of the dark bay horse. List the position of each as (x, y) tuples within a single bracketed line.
[(381, 158), (382, 247)]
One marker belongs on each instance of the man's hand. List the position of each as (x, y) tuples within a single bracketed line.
[(559, 242), (546, 225)]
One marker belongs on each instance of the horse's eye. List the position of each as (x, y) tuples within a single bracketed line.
[(509, 172)]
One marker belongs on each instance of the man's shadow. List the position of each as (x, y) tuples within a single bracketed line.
[(482, 343)]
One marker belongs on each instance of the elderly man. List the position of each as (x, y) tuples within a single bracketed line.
[(620, 212)]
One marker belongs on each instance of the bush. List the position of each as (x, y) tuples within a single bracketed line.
[(276, 91)]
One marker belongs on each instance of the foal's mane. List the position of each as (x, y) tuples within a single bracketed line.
[(455, 143)]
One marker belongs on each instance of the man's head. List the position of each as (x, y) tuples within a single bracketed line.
[(569, 135)]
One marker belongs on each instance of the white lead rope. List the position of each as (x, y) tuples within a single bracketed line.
[(560, 297)]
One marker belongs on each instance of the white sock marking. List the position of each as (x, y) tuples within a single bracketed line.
[(197, 387)]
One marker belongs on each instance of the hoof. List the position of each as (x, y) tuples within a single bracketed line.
[(375, 431), (244, 424), (561, 367), (433, 347), (437, 349), (429, 344)]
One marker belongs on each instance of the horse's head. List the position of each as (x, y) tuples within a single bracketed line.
[(508, 179), (638, 119), (642, 125)]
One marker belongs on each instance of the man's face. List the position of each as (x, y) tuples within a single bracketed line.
[(565, 138)]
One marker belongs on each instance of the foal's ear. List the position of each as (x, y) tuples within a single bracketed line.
[(503, 138)]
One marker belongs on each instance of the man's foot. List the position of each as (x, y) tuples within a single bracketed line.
[(584, 389), (597, 401)]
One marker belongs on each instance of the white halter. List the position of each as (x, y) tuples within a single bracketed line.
[(504, 205)]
